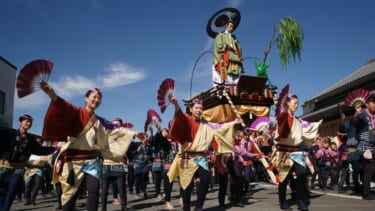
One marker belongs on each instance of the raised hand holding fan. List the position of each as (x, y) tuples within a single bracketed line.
[(280, 100), (361, 95), (166, 89), (147, 125), (30, 76), (153, 116), (260, 124), (128, 125)]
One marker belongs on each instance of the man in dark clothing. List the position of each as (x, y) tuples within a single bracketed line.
[(15, 150), (365, 123)]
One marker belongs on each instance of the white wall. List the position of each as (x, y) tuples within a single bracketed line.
[(7, 85)]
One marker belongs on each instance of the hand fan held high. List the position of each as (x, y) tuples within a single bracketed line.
[(128, 125), (280, 100), (30, 76), (361, 95), (166, 89), (153, 117), (261, 124), (147, 125)]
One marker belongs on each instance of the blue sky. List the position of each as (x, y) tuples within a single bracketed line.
[(127, 48)]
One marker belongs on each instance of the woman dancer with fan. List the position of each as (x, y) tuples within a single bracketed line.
[(196, 136), (86, 134), (289, 157)]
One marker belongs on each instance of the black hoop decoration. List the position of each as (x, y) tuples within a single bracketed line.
[(220, 19)]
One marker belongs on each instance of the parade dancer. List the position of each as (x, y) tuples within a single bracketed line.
[(15, 150), (248, 156), (113, 173), (34, 177), (347, 132), (170, 150), (196, 135), (288, 156), (86, 135), (365, 123), (158, 160)]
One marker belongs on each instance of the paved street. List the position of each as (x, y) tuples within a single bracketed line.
[(264, 198)]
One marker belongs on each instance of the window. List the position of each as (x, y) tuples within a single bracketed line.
[(2, 102)]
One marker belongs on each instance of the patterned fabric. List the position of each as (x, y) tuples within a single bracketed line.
[(290, 132), (16, 149), (142, 157), (171, 154), (366, 131), (82, 131), (196, 138)]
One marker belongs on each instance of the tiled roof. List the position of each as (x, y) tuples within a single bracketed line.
[(361, 73)]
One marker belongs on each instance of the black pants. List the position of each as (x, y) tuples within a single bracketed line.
[(92, 184), (223, 186), (345, 172), (368, 174), (117, 179), (202, 188), (58, 194), (141, 179), (167, 186), (300, 183), (131, 178), (9, 184), (32, 188), (247, 171), (236, 188), (157, 181), (47, 178)]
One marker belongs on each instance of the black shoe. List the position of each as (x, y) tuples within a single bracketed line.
[(284, 206), (341, 190), (34, 203), (368, 197), (301, 205), (27, 203), (239, 204)]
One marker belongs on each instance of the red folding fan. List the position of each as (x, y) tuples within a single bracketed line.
[(279, 105), (128, 125), (153, 116), (361, 95), (31, 75), (166, 89)]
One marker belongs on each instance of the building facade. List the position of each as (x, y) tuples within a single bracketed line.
[(325, 104), (7, 91)]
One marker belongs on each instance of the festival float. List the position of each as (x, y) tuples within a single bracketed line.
[(235, 94), (251, 96)]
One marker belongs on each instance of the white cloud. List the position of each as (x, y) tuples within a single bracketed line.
[(121, 74), (69, 86), (33, 100), (118, 74)]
